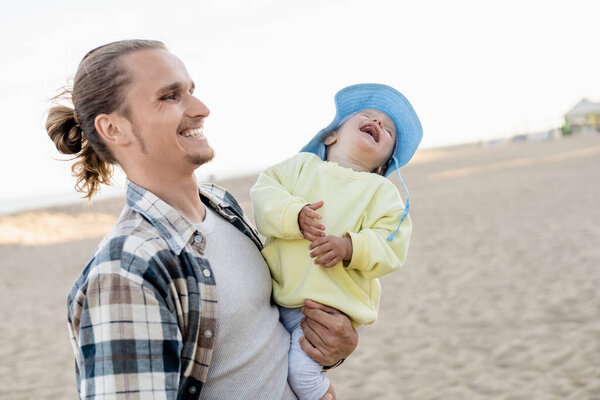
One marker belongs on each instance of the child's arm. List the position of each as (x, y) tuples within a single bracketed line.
[(276, 208), (372, 253), (368, 250)]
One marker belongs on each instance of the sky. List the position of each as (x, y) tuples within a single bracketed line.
[(268, 71)]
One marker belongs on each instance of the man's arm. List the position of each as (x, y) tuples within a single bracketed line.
[(125, 336), (328, 334)]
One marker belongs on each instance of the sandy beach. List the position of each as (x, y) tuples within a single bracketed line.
[(499, 298)]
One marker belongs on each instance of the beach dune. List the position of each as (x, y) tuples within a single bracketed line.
[(499, 298)]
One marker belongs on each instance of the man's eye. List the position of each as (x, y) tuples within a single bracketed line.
[(169, 97)]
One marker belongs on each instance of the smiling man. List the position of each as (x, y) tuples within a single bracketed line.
[(175, 303)]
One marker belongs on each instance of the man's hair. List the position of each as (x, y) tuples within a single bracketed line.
[(99, 87)]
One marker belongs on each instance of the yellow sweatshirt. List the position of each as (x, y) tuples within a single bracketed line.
[(364, 205)]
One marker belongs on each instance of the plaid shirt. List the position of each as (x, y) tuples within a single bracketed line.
[(143, 311)]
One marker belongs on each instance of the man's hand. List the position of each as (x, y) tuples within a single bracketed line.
[(328, 334), (330, 250), (307, 221)]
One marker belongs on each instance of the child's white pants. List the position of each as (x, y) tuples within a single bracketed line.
[(305, 375)]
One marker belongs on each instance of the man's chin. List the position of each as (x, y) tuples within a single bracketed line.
[(200, 159)]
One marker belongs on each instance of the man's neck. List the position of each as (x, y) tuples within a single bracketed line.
[(181, 194)]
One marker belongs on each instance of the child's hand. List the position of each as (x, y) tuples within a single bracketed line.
[(307, 221), (330, 250)]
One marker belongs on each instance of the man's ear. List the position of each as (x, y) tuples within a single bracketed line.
[(108, 127), (330, 139)]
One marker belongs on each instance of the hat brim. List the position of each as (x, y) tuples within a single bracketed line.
[(386, 99)]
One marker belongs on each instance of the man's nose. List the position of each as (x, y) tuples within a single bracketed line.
[(197, 108)]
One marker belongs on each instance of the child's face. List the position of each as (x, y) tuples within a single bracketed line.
[(368, 137)]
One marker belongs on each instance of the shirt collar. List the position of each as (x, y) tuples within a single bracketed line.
[(216, 197), (172, 226)]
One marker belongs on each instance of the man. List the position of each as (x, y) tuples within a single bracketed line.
[(175, 302)]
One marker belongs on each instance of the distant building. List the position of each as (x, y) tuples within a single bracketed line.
[(584, 118), (541, 136)]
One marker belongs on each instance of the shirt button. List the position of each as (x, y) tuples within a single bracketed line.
[(197, 239), (192, 389), (206, 272), (208, 333)]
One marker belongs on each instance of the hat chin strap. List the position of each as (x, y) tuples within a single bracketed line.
[(406, 208), (322, 151)]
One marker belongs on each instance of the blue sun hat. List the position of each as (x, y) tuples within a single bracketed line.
[(388, 100)]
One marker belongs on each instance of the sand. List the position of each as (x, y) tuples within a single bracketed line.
[(499, 298)]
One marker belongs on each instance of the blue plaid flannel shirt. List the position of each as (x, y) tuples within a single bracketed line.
[(142, 313)]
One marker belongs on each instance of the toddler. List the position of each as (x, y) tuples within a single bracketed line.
[(333, 223)]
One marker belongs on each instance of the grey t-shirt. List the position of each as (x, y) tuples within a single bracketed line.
[(250, 356)]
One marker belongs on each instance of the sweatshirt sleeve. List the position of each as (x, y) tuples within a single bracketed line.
[(275, 207), (372, 253)]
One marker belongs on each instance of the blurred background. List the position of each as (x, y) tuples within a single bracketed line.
[(498, 299), (268, 70)]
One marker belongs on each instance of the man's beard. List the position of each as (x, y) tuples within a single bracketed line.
[(139, 138), (200, 159)]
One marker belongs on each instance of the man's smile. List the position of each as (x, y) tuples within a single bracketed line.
[(192, 132)]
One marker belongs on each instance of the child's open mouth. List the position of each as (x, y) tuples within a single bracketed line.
[(371, 129)]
